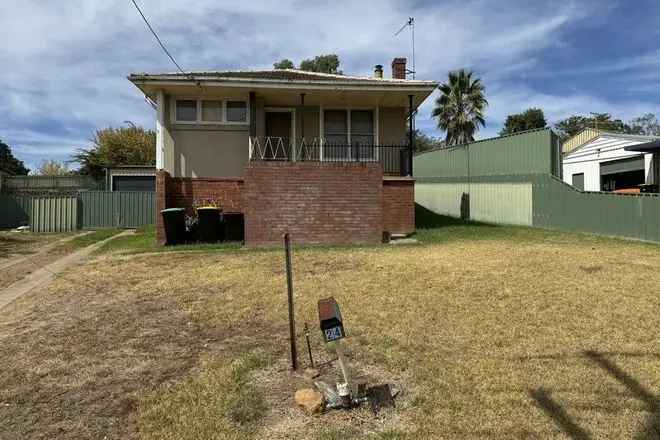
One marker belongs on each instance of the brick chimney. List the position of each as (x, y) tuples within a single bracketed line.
[(399, 68)]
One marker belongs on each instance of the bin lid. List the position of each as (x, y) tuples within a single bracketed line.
[(173, 210), (209, 208)]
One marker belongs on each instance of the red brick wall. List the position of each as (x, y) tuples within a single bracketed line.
[(187, 192), (399, 205), (317, 203)]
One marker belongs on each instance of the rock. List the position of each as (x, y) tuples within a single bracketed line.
[(311, 373), (309, 400)]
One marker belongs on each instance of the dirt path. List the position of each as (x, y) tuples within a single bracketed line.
[(45, 274), (19, 258)]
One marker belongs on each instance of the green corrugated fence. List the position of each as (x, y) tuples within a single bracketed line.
[(117, 209), (54, 214), (558, 205), (14, 210)]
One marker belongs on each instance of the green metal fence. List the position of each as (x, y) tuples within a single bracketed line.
[(516, 180), (54, 214), (121, 209), (532, 152), (558, 205), (14, 210)]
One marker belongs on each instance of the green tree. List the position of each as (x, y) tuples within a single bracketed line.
[(646, 124), (460, 107), (53, 168), (530, 119), (323, 63), (284, 63), (601, 121), (131, 145), (424, 142), (9, 164)]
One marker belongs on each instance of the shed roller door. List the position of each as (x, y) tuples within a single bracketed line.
[(134, 183), (622, 166)]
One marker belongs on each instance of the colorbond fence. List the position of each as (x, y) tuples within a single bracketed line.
[(54, 183), (515, 180), (54, 214), (86, 210), (120, 209)]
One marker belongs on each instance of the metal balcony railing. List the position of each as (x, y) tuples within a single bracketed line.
[(394, 159)]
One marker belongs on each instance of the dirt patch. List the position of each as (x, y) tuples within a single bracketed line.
[(72, 361)]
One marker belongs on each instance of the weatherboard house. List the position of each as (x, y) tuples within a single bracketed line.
[(325, 157)]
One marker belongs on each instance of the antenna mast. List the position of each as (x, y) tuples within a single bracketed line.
[(410, 23)]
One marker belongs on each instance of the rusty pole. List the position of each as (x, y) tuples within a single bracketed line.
[(289, 285)]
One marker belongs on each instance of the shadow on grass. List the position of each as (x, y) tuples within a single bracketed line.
[(558, 414)]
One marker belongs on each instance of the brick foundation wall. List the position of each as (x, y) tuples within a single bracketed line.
[(399, 205), (317, 203), (188, 192)]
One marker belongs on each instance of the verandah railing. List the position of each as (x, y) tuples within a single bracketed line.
[(394, 158)]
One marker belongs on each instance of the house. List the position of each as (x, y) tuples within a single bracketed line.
[(603, 162), (130, 178), (325, 157)]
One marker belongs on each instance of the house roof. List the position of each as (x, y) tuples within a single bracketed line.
[(285, 76)]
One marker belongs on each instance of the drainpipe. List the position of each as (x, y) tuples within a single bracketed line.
[(411, 134)]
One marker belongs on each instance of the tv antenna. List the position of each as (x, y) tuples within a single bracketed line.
[(410, 23)]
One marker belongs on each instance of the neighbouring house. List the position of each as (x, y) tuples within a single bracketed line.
[(130, 178), (604, 162), (325, 157)]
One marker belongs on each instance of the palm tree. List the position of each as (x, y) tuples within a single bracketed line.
[(460, 107)]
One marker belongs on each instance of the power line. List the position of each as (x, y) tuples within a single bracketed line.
[(158, 39)]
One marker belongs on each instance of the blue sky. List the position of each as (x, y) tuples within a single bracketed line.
[(65, 63)]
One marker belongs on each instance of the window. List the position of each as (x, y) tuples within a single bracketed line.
[(212, 111), (362, 127), (186, 110), (236, 111), (335, 124)]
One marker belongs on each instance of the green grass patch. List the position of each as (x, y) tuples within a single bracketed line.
[(221, 402), (88, 239), (144, 240)]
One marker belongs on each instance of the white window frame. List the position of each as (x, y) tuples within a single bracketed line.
[(375, 115), (199, 121)]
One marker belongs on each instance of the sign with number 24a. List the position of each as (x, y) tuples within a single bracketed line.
[(332, 334)]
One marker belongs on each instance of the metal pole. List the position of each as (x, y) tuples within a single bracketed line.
[(342, 363), (309, 346), (411, 134), (289, 285)]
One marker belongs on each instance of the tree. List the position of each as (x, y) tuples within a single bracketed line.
[(646, 124), (53, 168), (424, 142), (9, 164), (284, 63), (131, 145), (528, 120), (322, 63), (460, 107), (601, 121)]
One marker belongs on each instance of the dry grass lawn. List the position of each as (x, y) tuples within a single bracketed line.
[(535, 335)]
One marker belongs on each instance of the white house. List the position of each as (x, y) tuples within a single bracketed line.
[(603, 163)]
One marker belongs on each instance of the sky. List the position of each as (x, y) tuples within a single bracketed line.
[(64, 63)]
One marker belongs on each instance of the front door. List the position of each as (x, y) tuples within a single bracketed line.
[(278, 135)]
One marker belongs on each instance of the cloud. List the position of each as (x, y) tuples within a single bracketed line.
[(69, 60)]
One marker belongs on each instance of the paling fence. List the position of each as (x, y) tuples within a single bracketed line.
[(85, 210), (515, 180)]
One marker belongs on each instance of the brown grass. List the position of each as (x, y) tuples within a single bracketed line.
[(487, 339)]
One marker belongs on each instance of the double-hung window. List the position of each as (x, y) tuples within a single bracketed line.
[(348, 133)]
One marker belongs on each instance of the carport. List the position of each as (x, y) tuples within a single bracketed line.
[(650, 148)]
